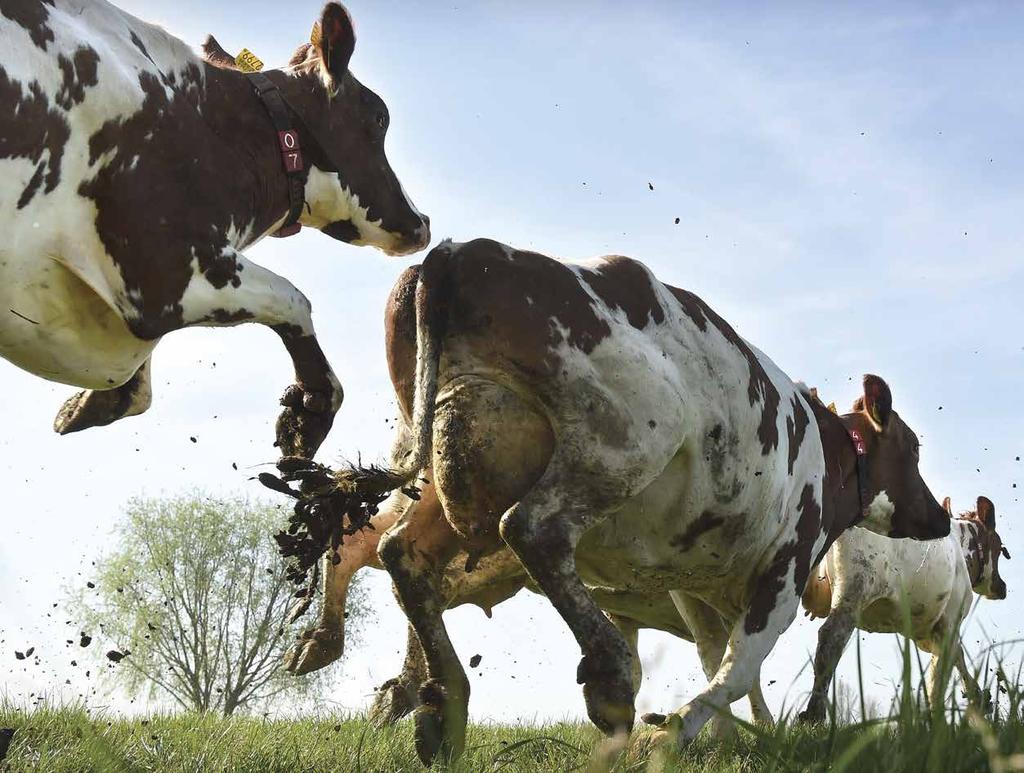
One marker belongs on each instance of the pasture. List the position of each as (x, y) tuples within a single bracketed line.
[(670, 229), (70, 739)]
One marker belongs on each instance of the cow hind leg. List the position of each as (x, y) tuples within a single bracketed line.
[(399, 696), (833, 636), (543, 530), (415, 553), (97, 408)]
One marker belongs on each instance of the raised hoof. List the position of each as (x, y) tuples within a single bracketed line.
[(608, 693), (395, 700), (90, 408), (653, 718), (314, 650), (305, 421)]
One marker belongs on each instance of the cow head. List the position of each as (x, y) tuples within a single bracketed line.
[(899, 502), (982, 548), (352, 193)]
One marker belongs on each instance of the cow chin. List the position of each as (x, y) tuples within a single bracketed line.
[(342, 230), (927, 531), (395, 245)]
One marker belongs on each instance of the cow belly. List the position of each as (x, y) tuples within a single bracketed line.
[(897, 578), (56, 326), (671, 537)]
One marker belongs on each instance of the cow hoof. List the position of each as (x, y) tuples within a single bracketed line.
[(305, 421), (429, 733), (668, 731), (609, 701), (394, 700), (90, 408), (440, 724), (314, 650)]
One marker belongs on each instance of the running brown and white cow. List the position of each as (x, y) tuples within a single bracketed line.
[(133, 173), (656, 451), (882, 585)]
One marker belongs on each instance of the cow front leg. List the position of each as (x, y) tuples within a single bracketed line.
[(318, 647), (255, 294), (711, 637), (751, 638), (833, 636), (543, 530), (99, 407), (416, 553), (399, 696)]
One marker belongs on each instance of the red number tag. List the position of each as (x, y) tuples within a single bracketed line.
[(291, 153)]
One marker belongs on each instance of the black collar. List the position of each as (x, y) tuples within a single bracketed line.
[(861, 449), (291, 152)]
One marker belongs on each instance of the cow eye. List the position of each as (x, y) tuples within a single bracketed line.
[(382, 121)]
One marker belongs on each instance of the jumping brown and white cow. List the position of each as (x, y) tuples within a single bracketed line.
[(133, 173), (494, 579), (882, 585), (656, 451)]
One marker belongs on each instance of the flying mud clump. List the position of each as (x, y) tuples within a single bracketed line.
[(329, 506)]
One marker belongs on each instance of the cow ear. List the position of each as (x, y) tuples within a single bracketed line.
[(947, 505), (336, 39), (877, 399), (986, 512)]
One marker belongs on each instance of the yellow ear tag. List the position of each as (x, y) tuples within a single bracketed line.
[(247, 61), (314, 35), (832, 407)]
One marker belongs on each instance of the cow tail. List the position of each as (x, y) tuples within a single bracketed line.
[(433, 291)]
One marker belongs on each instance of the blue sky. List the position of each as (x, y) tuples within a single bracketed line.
[(847, 185)]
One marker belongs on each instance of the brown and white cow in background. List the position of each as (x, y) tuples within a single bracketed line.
[(133, 173), (658, 452), (878, 585)]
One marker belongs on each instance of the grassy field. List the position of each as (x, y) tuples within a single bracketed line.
[(56, 741)]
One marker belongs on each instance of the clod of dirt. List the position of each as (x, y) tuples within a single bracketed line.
[(329, 506), (116, 657), (85, 641), (475, 661), (650, 185), (90, 585)]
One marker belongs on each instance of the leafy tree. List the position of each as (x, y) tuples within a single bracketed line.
[(194, 597)]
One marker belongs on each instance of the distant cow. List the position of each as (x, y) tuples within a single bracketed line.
[(656, 452), (496, 578), (132, 175), (873, 583)]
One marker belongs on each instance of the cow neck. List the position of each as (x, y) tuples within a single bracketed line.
[(842, 498), (236, 115), (285, 122), (968, 537)]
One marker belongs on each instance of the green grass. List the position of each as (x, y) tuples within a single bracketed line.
[(70, 740), (914, 738)]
